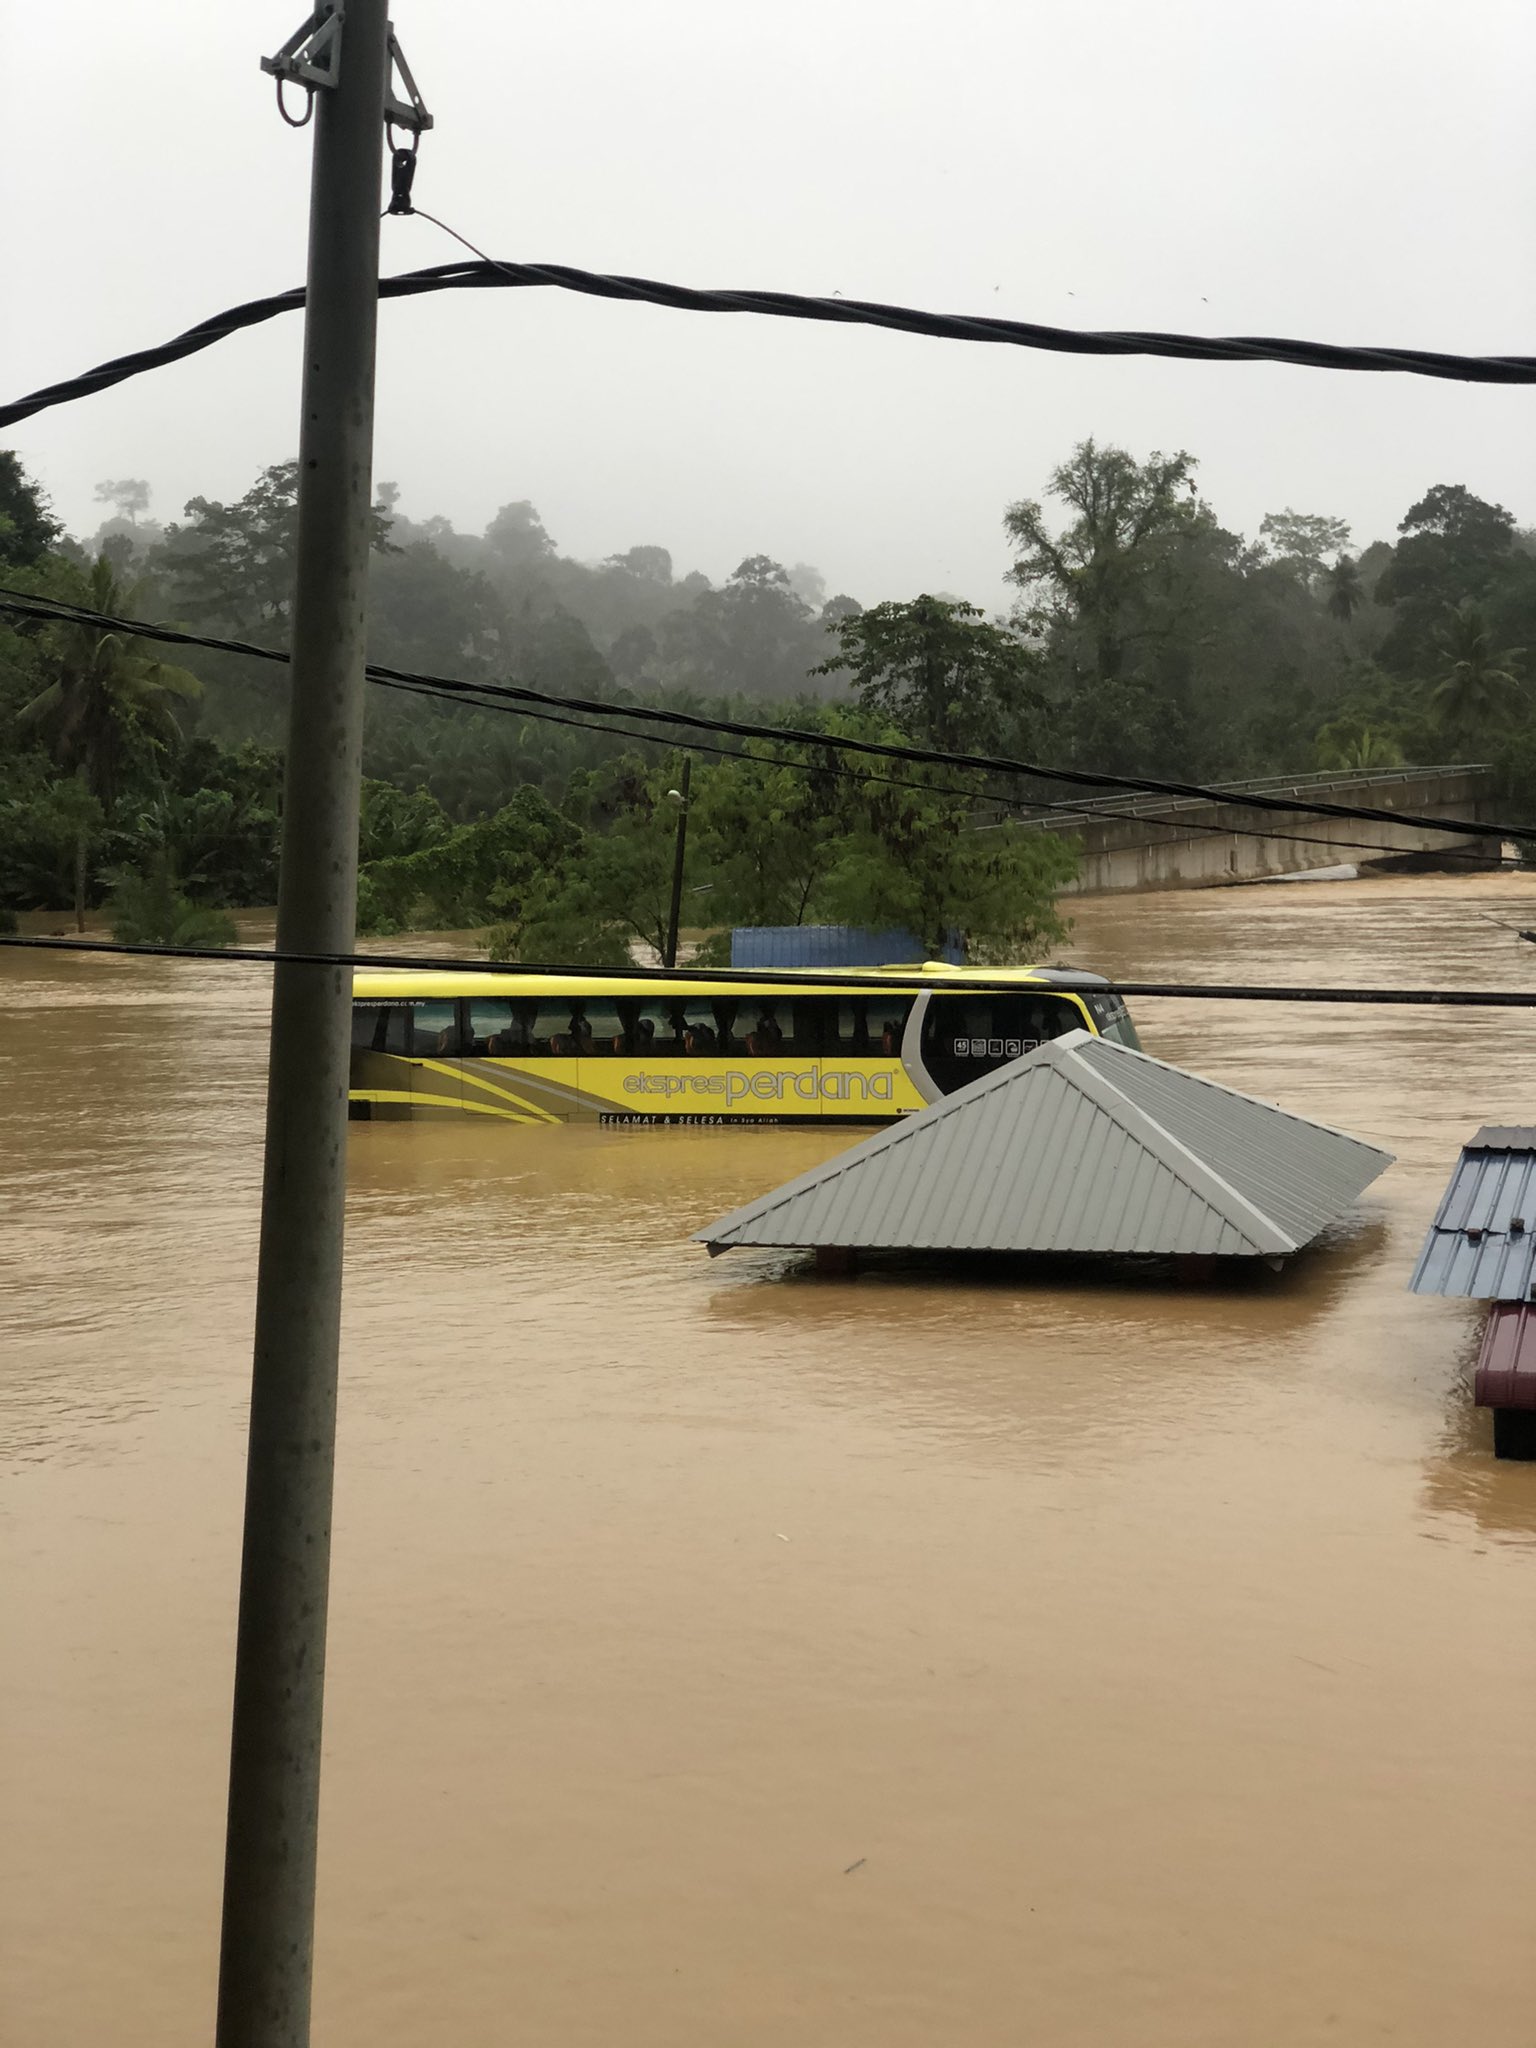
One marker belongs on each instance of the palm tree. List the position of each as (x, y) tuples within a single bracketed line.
[(106, 693), (1478, 685), (1346, 593), (1371, 750)]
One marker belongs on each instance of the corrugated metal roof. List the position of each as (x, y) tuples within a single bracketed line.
[(1482, 1243), (1085, 1146)]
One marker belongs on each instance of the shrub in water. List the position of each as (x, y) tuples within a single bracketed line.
[(147, 909)]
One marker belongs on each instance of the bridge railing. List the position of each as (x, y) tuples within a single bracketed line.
[(1321, 782)]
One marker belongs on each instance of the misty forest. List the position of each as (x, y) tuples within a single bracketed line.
[(143, 781)]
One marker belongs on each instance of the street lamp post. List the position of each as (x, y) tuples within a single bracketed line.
[(680, 798)]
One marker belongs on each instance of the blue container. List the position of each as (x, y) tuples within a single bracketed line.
[(830, 945)]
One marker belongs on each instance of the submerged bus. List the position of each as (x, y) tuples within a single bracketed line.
[(614, 1049)]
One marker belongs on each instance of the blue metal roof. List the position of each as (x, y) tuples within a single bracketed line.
[(1482, 1243)]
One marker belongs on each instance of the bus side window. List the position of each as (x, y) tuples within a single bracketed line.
[(892, 1013), (559, 1029), (759, 1031), (490, 1027), (379, 1027), (869, 1027), (652, 1030), (605, 1027), (697, 1029), (848, 1027), (435, 1031)]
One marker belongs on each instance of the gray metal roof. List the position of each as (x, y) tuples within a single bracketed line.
[(1473, 1248), (1084, 1146)]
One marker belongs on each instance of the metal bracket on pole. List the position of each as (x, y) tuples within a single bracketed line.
[(411, 112), (312, 54), (312, 57)]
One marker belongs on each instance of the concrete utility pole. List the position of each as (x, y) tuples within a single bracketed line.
[(274, 1774), (680, 798)]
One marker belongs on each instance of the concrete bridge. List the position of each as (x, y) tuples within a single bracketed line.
[(1155, 842)]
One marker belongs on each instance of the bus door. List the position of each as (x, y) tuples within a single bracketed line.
[(379, 1083), (964, 1036)]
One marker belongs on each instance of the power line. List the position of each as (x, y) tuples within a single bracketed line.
[(1452, 856), (837, 311), (25, 605), (791, 977)]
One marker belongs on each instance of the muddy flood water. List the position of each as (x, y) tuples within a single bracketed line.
[(724, 1654)]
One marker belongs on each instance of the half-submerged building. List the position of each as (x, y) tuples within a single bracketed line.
[(1482, 1247)]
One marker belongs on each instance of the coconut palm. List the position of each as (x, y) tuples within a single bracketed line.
[(1346, 592), (106, 693), (1478, 685), (1371, 750), (1348, 744)]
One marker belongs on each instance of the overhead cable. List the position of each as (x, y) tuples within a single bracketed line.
[(836, 311), (1032, 807), (24, 605), (791, 977)]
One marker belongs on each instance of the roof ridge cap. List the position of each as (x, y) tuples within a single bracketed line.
[(1200, 1177)]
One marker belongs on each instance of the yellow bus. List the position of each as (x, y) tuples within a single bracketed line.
[(615, 1049)]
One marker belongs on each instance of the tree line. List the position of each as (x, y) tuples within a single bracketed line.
[(1144, 637)]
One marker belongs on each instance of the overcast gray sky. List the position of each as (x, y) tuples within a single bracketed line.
[(1347, 170)]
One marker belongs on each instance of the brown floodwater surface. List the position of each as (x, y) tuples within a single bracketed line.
[(725, 1654)]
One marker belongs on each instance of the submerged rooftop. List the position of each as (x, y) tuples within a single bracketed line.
[(1482, 1243), (1081, 1146)]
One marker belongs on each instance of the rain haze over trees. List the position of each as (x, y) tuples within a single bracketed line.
[(1145, 636)]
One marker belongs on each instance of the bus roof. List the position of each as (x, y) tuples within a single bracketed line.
[(402, 984)]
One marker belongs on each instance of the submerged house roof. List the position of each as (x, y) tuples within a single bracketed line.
[(1081, 1146), (1482, 1243)]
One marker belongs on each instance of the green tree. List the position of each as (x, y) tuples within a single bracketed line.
[(612, 888), (27, 528), (1346, 743), (48, 831), (476, 872), (1477, 688), (234, 564), (107, 696), (1346, 588), (763, 831), (753, 636), (147, 907), (214, 821), (128, 496), (613, 892), (1301, 541), (939, 670), (426, 614), (920, 860), (396, 822), (1455, 546), (650, 564), (516, 536), (1089, 575)]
